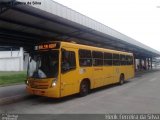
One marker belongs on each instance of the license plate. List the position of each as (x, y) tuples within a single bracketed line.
[(36, 92)]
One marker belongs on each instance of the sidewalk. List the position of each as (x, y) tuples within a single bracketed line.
[(146, 71), (12, 93)]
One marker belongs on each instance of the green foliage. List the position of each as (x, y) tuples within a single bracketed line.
[(12, 77)]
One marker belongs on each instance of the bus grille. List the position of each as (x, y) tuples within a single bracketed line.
[(38, 85)]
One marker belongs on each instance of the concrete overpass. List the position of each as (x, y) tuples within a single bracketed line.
[(26, 25)]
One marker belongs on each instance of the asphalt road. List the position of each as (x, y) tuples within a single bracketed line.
[(12, 90), (139, 95)]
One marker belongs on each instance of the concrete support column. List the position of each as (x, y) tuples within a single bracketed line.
[(137, 64), (148, 63), (140, 64), (151, 62), (145, 65), (21, 58), (134, 64)]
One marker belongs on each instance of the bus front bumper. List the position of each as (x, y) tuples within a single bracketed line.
[(50, 92)]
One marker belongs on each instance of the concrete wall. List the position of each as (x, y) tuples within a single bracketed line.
[(11, 60)]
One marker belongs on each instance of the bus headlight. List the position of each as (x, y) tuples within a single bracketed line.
[(54, 82)]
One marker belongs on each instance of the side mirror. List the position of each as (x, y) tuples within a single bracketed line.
[(30, 60), (31, 57)]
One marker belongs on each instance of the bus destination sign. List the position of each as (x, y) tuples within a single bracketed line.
[(46, 46)]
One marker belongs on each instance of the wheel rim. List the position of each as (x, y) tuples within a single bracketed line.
[(121, 80), (84, 88)]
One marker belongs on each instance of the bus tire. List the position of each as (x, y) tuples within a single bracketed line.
[(121, 79), (84, 88)]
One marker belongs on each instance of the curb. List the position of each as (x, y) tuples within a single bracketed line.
[(148, 71), (11, 99)]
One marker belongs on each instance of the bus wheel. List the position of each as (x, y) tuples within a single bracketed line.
[(84, 88), (121, 79)]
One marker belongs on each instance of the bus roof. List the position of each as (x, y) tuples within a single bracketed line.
[(80, 46)]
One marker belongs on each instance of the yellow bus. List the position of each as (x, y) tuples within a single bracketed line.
[(60, 69)]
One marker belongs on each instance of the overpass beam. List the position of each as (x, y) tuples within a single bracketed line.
[(6, 5)]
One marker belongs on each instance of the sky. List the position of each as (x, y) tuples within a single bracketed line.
[(138, 19)]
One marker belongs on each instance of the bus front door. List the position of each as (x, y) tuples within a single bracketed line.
[(69, 72)]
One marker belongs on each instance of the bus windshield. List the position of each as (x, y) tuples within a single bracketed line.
[(43, 64)]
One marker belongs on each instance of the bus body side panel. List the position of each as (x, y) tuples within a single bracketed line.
[(97, 77), (123, 70), (108, 75), (130, 70), (116, 73), (127, 75), (85, 73)]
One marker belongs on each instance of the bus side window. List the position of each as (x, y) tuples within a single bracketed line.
[(129, 60), (97, 58), (123, 59), (85, 58), (116, 61), (68, 60), (107, 59)]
